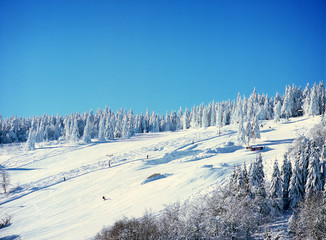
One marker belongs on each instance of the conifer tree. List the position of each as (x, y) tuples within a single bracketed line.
[(314, 108), (276, 189), (256, 129), (125, 127), (296, 192), (314, 182), (213, 114), (245, 177), (241, 135), (288, 104), (248, 132), (277, 111), (205, 118), (286, 174), (276, 183), (74, 134), (101, 130), (87, 130), (30, 144)]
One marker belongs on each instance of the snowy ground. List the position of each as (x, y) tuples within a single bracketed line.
[(191, 162)]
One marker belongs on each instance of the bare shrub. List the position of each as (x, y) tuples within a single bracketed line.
[(138, 229), (5, 180), (5, 221)]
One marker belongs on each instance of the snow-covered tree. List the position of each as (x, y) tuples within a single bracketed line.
[(248, 132), (255, 128), (101, 129), (205, 118), (241, 135), (277, 111), (185, 120), (276, 189), (276, 183), (256, 177), (288, 104), (314, 108), (296, 188), (87, 131), (30, 144), (125, 127), (74, 131), (286, 174), (314, 182)]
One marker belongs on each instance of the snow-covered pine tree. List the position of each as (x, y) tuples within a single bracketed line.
[(213, 114), (276, 189), (186, 119), (248, 132), (252, 104), (286, 174), (255, 128), (288, 104), (323, 166), (321, 97), (256, 177), (30, 144), (154, 123), (173, 121), (314, 182), (276, 183), (205, 117), (314, 108), (193, 122), (131, 118), (237, 113), (67, 122), (125, 127), (296, 188), (277, 111), (87, 131), (101, 128), (110, 126), (91, 123), (58, 128), (226, 116), (246, 180), (179, 120), (219, 115), (74, 134), (241, 135)]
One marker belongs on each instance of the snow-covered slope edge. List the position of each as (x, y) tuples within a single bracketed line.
[(192, 161)]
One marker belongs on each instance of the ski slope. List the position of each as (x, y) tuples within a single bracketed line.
[(60, 186)]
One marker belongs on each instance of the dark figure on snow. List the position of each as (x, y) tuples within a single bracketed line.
[(147, 156), (104, 198)]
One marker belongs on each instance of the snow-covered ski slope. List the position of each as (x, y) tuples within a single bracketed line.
[(191, 162)]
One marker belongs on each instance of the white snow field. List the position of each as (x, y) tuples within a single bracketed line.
[(191, 162)]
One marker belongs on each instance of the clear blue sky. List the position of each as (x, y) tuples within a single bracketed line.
[(73, 56)]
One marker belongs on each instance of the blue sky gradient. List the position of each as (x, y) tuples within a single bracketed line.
[(68, 56)]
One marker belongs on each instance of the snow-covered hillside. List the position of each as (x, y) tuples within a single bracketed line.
[(58, 189)]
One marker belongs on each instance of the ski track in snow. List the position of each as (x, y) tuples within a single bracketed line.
[(188, 163)]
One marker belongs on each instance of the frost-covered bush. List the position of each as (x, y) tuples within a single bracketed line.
[(143, 228), (5, 221), (309, 220)]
